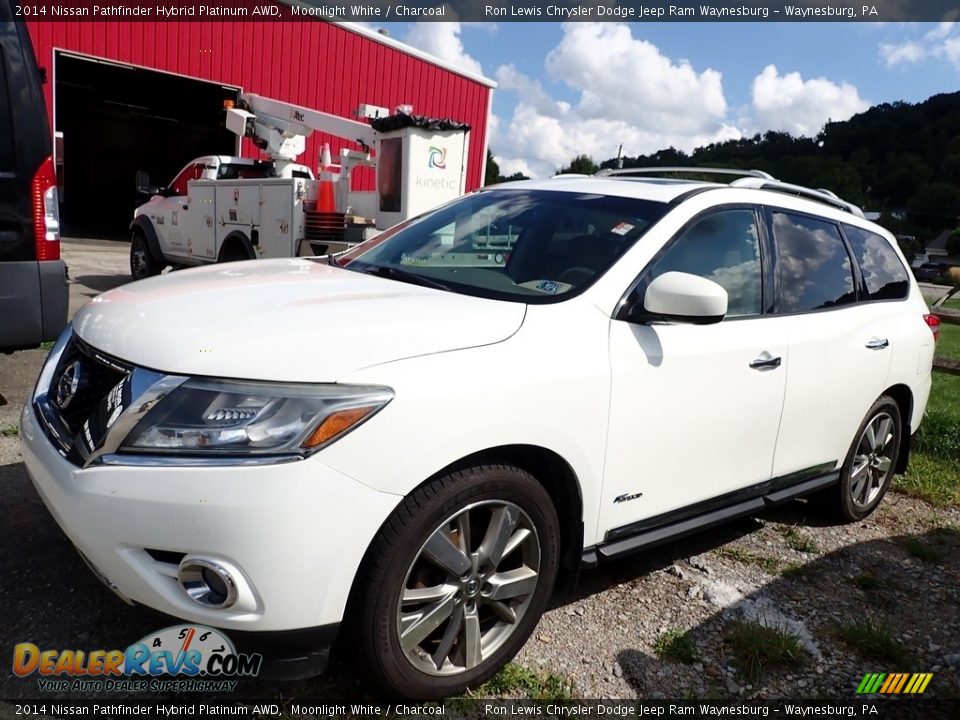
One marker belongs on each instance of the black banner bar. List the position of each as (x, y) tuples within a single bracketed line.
[(463, 708), (385, 11)]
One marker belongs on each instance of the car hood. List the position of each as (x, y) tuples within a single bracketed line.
[(290, 320)]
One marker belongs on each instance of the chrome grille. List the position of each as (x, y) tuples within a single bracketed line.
[(97, 378), (81, 381)]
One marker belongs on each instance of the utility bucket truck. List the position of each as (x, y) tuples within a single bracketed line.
[(222, 208)]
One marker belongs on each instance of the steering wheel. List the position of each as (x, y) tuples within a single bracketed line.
[(576, 275)]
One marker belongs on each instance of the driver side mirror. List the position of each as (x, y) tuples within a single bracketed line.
[(681, 298), (143, 185)]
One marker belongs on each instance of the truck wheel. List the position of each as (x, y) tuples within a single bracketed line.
[(456, 581), (142, 262), (233, 251)]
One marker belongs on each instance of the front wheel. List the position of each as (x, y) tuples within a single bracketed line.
[(456, 581), (142, 262), (870, 463)]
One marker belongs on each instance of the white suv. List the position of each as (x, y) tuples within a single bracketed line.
[(427, 434)]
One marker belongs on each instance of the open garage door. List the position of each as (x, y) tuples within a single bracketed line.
[(117, 119)]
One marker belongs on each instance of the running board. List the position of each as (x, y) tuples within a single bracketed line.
[(647, 538)]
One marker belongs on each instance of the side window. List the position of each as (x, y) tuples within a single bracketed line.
[(179, 186), (882, 270), (815, 269), (723, 247), (8, 159)]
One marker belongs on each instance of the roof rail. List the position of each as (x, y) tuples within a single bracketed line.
[(688, 169), (753, 179), (824, 196)]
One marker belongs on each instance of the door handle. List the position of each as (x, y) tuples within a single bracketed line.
[(877, 343), (766, 362)]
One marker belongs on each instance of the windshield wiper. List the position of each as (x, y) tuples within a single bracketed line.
[(395, 273)]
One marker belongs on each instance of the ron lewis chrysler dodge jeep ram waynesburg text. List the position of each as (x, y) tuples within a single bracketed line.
[(425, 434)]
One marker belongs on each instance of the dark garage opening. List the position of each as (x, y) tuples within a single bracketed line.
[(118, 119)]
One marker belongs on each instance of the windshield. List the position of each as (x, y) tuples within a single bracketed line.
[(533, 246)]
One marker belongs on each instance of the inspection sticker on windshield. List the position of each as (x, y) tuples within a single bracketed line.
[(549, 286), (622, 228)]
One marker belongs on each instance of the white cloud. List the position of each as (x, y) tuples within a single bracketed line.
[(801, 107), (442, 39), (905, 52), (627, 91), (942, 42)]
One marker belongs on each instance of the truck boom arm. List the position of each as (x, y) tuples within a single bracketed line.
[(281, 128)]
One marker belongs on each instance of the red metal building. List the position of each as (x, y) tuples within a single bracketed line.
[(128, 96)]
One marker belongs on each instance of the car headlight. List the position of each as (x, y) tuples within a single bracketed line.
[(204, 416)]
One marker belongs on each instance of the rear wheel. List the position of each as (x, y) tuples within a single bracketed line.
[(142, 262), (870, 463), (457, 580), (233, 251)]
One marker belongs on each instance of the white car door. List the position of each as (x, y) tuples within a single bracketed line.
[(695, 409), (840, 349)]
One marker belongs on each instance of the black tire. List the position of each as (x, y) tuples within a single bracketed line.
[(233, 251), (399, 556), (866, 474), (143, 263)]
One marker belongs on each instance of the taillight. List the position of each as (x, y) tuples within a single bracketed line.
[(933, 322), (46, 212)]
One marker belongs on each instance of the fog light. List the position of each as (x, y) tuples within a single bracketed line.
[(207, 583)]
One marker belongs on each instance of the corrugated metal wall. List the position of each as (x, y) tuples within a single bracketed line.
[(312, 63)]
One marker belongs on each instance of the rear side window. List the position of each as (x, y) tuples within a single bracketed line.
[(8, 160), (723, 247), (815, 269), (884, 274)]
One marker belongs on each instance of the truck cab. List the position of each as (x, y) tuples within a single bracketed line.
[(212, 211)]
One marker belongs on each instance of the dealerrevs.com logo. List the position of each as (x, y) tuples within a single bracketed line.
[(197, 658)]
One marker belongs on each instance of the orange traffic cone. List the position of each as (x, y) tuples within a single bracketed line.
[(326, 193)]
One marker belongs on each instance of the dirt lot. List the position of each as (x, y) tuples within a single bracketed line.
[(831, 602)]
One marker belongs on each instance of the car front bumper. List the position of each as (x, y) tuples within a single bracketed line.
[(293, 533)]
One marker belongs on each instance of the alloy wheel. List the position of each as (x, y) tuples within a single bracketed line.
[(468, 587), (873, 462)]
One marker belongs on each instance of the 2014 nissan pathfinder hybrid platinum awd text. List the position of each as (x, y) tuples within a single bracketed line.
[(420, 438)]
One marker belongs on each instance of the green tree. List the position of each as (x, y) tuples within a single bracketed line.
[(581, 164), (935, 206), (492, 176), (953, 243)]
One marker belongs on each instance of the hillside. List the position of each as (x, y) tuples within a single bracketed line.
[(895, 158)]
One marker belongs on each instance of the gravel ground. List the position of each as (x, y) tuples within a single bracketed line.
[(788, 570)]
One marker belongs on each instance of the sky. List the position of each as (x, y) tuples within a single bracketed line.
[(585, 88)]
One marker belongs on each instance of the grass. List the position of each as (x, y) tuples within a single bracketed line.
[(953, 303), (921, 550), (934, 472), (10, 431), (768, 564), (48, 345), (794, 570), (871, 641), (799, 542), (515, 681), (755, 647), (677, 645), (948, 346)]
